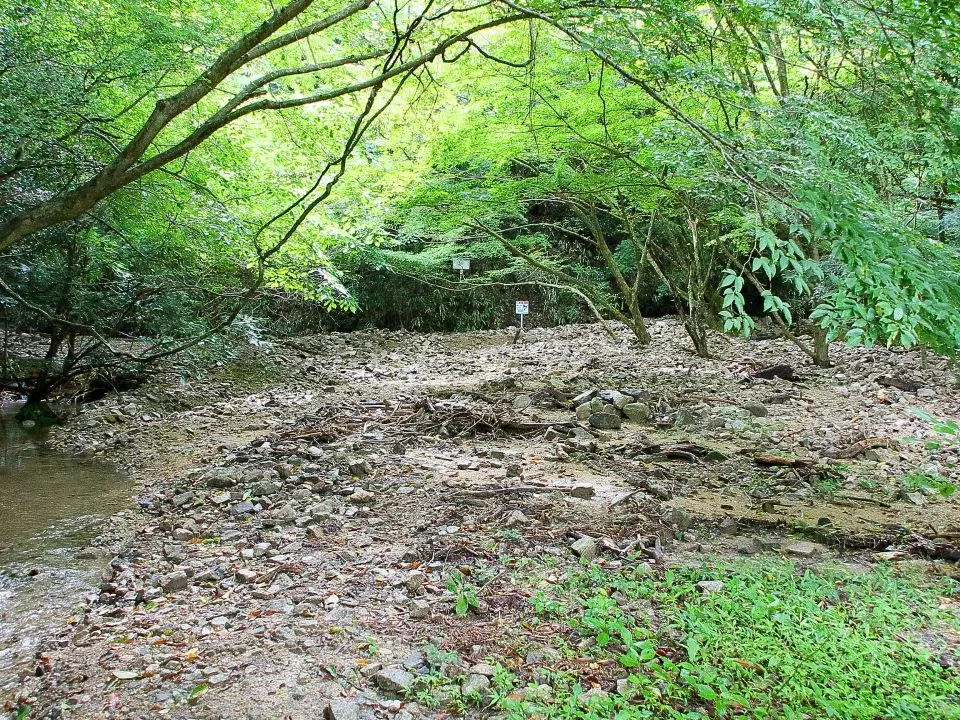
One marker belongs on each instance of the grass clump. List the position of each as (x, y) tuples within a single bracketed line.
[(776, 641)]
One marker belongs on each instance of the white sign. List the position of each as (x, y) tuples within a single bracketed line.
[(523, 307), (461, 263)]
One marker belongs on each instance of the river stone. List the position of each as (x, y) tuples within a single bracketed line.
[(394, 679), (522, 402), (801, 548), (585, 548), (362, 497), (221, 478), (183, 498), (341, 709), (605, 421), (710, 586), (615, 398), (638, 412), (177, 580), (359, 467), (241, 508), (756, 409), (475, 685), (584, 411)]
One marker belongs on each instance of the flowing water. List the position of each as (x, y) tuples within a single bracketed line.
[(51, 506)]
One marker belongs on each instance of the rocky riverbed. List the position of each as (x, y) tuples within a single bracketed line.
[(302, 543)]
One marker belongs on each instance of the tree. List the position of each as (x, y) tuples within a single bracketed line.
[(105, 111), (824, 130), (304, 53)]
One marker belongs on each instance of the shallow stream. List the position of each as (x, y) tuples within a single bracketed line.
[(51, 506)]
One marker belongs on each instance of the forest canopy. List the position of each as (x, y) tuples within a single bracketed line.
[(174, 175)]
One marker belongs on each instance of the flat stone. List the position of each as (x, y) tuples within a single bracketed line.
[(241, 508), (541, 655), (341, 709), (483, 669), (362, 497), (246, 576), (584, 492), (584, 397), (605, 421), (394, 679), (890, 555), (636, 412), (801, 548), (183, 498), (174, 581)]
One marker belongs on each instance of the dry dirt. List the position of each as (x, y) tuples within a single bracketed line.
[(377, 463)]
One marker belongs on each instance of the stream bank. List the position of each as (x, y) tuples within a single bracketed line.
[(296, 545)]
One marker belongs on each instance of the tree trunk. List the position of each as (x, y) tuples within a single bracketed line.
[(637, 326), (698, 334), (821, 348)]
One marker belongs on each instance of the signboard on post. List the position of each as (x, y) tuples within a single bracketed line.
[(523, 307), (461, 264)]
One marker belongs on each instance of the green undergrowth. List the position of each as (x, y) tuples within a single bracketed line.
[(776, 641)]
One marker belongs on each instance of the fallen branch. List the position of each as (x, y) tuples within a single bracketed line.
[(857, 448), (494, 492)]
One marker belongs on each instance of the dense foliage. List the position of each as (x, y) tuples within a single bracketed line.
[(167, 168)]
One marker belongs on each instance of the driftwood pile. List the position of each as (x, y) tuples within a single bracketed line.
[(413, 417)]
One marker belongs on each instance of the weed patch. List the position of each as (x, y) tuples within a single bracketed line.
[(754, 641)]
